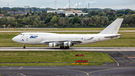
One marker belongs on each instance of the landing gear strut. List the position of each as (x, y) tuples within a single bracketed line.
[(24, 46)]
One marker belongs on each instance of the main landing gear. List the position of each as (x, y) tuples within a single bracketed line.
[(64, 47), (24, 46)]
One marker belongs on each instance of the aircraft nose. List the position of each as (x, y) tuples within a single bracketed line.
[(14, 39)]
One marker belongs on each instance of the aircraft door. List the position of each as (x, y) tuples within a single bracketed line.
[(95, 39), (98, 39), (42, 39), (26, 39)]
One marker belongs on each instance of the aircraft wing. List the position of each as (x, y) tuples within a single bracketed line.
[(61, 41)]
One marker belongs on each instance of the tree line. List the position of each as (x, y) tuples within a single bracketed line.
[(94, 18)]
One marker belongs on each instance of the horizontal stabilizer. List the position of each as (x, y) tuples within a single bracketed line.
[(112, 36)]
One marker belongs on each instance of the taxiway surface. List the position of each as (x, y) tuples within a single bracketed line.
[(123, 55), (70, 49), (105, 70)]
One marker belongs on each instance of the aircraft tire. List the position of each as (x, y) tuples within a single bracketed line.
[(67, 47), (61, 47)]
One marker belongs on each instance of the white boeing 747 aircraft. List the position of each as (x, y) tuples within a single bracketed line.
[(68, 40)]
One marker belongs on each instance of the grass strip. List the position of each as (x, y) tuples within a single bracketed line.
[(62, 29), (49, 64), (51, 58)]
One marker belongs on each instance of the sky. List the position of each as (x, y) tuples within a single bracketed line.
[(114, 4)]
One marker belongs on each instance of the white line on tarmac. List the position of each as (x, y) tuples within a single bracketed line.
[(10, 68)]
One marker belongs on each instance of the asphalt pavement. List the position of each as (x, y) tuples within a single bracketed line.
[(104, 70), (70, 49), (125, 56)]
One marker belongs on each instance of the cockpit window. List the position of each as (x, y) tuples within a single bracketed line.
[(20, 34)]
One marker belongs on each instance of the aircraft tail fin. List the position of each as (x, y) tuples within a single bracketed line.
[(113, 28)]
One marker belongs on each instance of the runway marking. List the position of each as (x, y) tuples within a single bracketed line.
[(87, 73), (10, 68), (108, 70), (78, 71), (114, 60), (22, 74), (20, 68), (101, 70)]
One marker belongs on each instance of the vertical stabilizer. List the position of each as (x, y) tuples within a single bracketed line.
[(113, 28)]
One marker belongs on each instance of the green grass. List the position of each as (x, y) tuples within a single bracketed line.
[(48, 64), (62, 29), (126, 40), (94, 58)]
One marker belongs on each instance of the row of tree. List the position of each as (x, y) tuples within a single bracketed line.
[(94, 18), (34, 9)]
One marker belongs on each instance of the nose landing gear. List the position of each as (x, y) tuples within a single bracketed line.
[(24, 46)]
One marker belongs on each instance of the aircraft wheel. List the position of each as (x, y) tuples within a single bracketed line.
[(67, 47), (61, 47)]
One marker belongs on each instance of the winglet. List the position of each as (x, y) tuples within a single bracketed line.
[(113, 28)]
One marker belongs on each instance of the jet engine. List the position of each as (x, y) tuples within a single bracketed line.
[(52, 44), (67, 44)]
